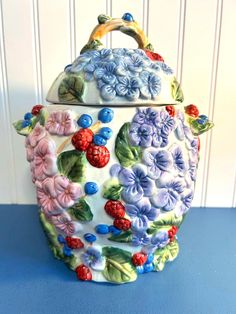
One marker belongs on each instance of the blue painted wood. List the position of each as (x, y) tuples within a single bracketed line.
[(201, 280)]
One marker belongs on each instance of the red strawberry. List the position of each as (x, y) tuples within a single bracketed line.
[(171, 110), (192, 111), (154, 56), (172, 232), (115, 209), (82, 138), (36, 109), (139, 259), (98, 156), (122, 224), (83, 272), (74, 243)]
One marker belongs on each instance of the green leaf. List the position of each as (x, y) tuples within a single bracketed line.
[(119, 268), (42, 116), (71, 88), (72, 164), (124, 237), (71, 261), (92, 45), (149, 47), (20, 130), (198, 128), (165, 221), (166, 254), (112, 189), (81, 211), (128, 155), (176, 91), (51, 234), (103, 18)]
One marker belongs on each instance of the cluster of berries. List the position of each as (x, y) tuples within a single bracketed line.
[(143, 262), (29, 115), (193, 111), (94, 144), (117, 210), (70, 244)]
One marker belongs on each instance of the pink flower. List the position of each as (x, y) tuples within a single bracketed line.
[(47, 197), (29, 149), (37, 134), (56, 194), (45, 161), (64, 224), (61, 123), (67, 191)]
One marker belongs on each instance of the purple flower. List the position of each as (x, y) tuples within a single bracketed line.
[(158, 241), (186, 203), (136, 184), (145, 116), (151, 85), (157, 161), (93, 258), (141, 213), (178, 158), (193, 170), (141, 134), (128, 87), (140, 238), (168, 196)]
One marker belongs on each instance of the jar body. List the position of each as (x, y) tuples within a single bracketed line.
[(111, 209)]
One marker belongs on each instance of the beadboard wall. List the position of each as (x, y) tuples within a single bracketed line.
[(196, 38)]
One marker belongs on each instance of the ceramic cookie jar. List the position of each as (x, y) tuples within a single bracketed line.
[(113, 158)]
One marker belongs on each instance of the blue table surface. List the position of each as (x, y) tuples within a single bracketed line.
[(201, 280)]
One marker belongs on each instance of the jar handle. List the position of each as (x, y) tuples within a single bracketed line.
[(108, 24)]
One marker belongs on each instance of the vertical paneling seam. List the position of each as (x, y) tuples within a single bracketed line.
[(7, 112), (181, 33), (72, 30), (109, 12), (145, 16), (37, 52), (214, 72)]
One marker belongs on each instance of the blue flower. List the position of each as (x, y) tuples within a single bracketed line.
[(157, 161), (167, 196), (186, 203), (88, 71), (141, 213), (140, 238), (193, 170), (136, 184), (178, 158), (141, 135), (136, 63), (106, 73), (128, 87), (165, 68), (146, 116), (158, 241), (108, 92), (151, 85), (164, 125), (93, 258)]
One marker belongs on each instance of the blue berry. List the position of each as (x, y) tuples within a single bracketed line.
[(26, 123), (89, 237), (140, 269), (128, 17), (106, 115), (90, 188), (67, 251), (99, 140), (115, 231), (106, 133), (85, 121), (201, 121), (28, 116), (61, 239), (150, 258), (203, 117), (102, 229), (148, 267)]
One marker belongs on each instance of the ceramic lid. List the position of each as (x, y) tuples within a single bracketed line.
[(116, 77)]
